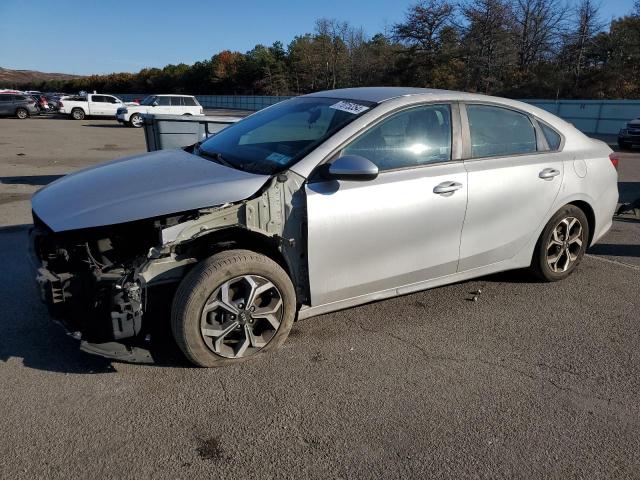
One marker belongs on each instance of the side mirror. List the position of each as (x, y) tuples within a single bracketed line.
[(353, 167), (154, 104)]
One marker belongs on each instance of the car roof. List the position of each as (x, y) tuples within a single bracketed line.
[(384, 94), (170, 95), (376, 94)]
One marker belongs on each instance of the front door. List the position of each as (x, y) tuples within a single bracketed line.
[(402, 227)]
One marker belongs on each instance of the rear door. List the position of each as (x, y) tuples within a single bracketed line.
[(513, 181), (177, 106), (96, 105)]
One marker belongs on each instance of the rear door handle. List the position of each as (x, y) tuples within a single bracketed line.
[(447, 188), (549, 173)]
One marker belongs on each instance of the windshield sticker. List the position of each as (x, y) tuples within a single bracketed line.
[(349, 107), (278, 158)]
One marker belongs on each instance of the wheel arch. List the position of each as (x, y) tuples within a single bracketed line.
[(240, 238), (589, 213)]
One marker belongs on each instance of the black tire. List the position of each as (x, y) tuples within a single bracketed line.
[(22, 113), (186, 115), (77, 114), (570, 253), (135, 121), (209, 277)]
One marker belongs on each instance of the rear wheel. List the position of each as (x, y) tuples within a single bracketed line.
[(22, 113), (561, 245), (232, 306), (77, 114), (135, 120)]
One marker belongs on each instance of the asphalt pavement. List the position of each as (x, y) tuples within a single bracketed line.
[(531, 380)]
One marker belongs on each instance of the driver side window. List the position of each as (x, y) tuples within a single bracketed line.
[(410, 138)]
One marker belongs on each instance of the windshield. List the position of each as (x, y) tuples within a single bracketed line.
[(275, 138), (148, 100)]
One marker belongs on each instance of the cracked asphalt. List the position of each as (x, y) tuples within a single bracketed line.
[(531, 380)]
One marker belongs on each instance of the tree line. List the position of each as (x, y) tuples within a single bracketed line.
[(518, 48)]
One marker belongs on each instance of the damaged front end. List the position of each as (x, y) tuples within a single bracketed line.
[(112, 286)]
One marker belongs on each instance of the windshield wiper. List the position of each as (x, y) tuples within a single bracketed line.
[(216, 157)]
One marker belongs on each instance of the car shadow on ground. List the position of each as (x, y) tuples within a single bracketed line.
[(30, 179), (28, 332), (610, 249)]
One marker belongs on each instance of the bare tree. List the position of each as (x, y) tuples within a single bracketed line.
[(537, 30), (586, 25), (424, 24), (488, 48)]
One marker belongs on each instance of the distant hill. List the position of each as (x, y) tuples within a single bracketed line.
[(10, 77)]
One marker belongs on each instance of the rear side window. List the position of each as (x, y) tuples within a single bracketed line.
[(499, 131), (17, 98), (176, 101), (164, 101), (98, 99), (189, 102), (5, 98), (553, 138)]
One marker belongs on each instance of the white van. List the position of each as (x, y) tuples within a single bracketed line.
[(159, 104)]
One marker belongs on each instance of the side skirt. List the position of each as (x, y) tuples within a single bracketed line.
[(510, 264)]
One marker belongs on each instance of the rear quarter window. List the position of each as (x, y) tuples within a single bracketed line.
[(553, 138)]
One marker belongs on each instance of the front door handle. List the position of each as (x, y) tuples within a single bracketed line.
[(447, 188), (549, 173)]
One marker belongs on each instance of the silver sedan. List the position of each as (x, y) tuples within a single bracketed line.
[(316, 204)]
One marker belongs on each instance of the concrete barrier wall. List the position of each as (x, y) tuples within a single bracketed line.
[(603, 117)]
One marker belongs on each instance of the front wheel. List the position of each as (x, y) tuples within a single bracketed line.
[(561, 245), (22, 113), (135, 120), (232, 306)]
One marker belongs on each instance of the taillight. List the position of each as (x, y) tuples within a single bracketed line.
[(615, 159)]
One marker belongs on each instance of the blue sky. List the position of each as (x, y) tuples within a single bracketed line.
[(100, 36)]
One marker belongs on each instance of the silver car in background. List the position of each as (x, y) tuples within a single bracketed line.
[(316, 204)]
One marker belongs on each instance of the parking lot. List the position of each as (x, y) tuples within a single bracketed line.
[(530, 380)]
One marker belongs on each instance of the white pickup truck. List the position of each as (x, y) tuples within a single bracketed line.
[(93, 104)]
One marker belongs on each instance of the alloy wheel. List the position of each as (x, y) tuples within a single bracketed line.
[(241, 316), (565, 244), (136, 121)]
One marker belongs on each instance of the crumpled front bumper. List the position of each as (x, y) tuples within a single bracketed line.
[(111, 334)]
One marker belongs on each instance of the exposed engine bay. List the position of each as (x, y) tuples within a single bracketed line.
[(108, 284)]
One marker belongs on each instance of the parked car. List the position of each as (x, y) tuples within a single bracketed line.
[(95, 105), (19, 105), (316, 204), (629, 136), (159, 104)]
